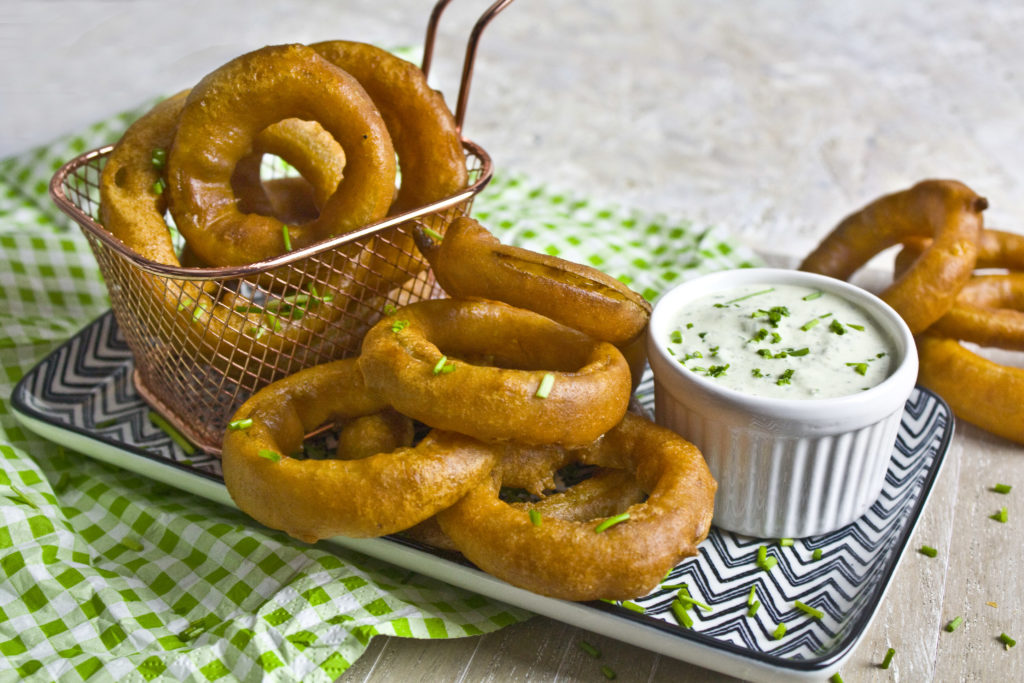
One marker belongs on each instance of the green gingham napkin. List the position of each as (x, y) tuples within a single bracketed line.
[(108, 576)]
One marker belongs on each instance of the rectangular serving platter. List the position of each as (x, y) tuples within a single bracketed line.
[(82, 396)]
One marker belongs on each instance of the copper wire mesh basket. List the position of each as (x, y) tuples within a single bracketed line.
[(203, 340)]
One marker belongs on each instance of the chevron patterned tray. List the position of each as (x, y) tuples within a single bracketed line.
[(82, 396)]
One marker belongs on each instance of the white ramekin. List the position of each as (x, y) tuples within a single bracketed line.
[(786, 468)]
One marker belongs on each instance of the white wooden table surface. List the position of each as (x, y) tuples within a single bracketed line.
[(771, 118)]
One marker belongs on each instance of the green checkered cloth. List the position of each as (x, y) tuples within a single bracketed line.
[(108, 576)]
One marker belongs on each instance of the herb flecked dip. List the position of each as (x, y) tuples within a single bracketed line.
[(781, 341)]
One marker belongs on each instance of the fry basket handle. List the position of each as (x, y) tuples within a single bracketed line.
[(471, 48)]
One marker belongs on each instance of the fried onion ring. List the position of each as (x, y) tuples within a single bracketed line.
[(421, 360), (470, 262), (567, 559), (980, 391), (313, 499), (222, 115), (947, 211)]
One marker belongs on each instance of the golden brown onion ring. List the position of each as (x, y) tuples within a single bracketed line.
[(589, 380), (222, 115), (946, 211), (980, 391), (313, 499), (471, 263), (569, 559)]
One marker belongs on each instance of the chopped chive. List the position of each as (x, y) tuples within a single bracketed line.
[(809, 324), (859, 368), (433, 234), (535, 518), (717, 370), (389, 309), (244, 423), (888, 658), (287, 238), (807, 609), (859, 328), (608, 672), (257, 331), (158, 158), (780, 631), (632, 606), (785, 378), (786, 542), (590, 649), (753, 595), (681, 615), (752, 610), (835, 678), (762, 554), (270, 455), (399, 325), (837, 327), (816, 554), (611, 521), (688, 601), (928, 550), (1000, 516), (676, 337), (161, 423), (745, 297), (756, 372), (954, 624), (798, 352), (813, 295), (131, 544), (1007, 640), (1002, 488), (439, 365), (275, 324), (546, 383), (159, 186)]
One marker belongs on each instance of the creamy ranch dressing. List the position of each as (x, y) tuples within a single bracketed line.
[(781, 341)]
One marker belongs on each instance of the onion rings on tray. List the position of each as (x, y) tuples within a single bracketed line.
[(947, 211), (596, 558), (312, 499), (496, 372), (221, 116)]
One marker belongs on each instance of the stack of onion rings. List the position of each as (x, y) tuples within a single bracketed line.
[(988, 311), (946, 211)]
